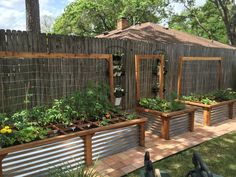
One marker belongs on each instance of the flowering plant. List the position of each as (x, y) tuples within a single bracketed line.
[(119, 92), (6, 137)]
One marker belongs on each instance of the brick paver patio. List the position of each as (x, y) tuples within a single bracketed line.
[(120, 164)]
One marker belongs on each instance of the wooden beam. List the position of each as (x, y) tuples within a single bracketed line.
[(207, 116), (191, 121), (165, 128), (201, 58), (231, 110), (179, 77), (111, 79), (161, 76), (30, 55), (137, 77), (219, 74), (142, 134), (88, 149), (2, 156)]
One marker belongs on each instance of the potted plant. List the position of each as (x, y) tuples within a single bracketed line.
[(119, 93), (117, 58), (117, 70)]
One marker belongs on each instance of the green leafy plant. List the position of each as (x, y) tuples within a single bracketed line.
[(30, 133), (212, 97), (162, 105), (131, 116)]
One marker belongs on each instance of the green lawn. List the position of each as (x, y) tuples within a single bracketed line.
[(219, 154)]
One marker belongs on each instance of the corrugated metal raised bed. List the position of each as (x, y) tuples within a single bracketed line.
[(212, 114), (36, 158), (167, 125)]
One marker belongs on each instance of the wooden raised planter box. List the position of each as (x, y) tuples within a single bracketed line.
[(211, 114), (167, 125), (38, 157)]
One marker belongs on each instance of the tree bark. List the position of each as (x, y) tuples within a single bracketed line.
[(32, 16)]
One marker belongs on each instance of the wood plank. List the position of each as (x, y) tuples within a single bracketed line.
[(8, 54), (201, 58), (231, 110), (88, 149), (180, 71), (207, 116), (161, 76), (191, 121), (165, 128), (2, 156), (142, 134)]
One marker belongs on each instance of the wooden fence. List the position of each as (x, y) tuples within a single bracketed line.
[(56, 78)]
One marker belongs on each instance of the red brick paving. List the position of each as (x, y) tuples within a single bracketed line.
[(120, 164)]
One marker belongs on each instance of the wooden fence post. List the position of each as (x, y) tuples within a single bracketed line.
[(142, 134), (88, 149), (1, 159)]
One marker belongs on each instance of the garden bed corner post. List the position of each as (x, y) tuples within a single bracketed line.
[(207, 116), (191, 121), (231, 110), (88, 149), (142, 134), (1, 159), (165, 128)]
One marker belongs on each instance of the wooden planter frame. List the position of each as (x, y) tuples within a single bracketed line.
[(138, 58), (207, 109), (183, 59), (34, 55), (86, 135), (167, 117)]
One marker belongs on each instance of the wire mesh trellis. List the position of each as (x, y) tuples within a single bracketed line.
[(199, 77), (30, 82)]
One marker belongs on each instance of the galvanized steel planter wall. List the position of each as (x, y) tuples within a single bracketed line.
[(37, 161), (168, 125), (213, 114), (114, 141), (38, 157)]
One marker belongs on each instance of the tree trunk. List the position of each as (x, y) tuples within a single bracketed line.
[(32, 16)]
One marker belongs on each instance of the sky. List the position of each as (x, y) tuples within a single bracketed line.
[(12, 12)]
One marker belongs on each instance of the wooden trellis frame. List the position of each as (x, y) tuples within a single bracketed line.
[(138, 59), (183, 59), (34, 55)]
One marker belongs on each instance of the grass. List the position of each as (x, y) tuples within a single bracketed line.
[(219, 154)]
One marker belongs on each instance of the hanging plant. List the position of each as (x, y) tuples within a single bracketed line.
[(119, 92), (118, 70)]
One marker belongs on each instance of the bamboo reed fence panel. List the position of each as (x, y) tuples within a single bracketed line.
[(22, 41)]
